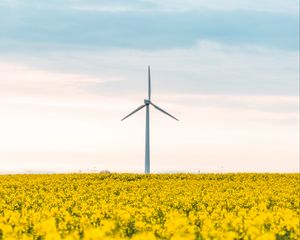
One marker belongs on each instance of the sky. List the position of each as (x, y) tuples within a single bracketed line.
[(72, 69)]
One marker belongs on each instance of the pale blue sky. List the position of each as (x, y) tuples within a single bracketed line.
[(236, 62), (27, 26)]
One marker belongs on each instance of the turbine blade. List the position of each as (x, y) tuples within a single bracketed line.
[(158, 108), (149, 84), (139, 108)]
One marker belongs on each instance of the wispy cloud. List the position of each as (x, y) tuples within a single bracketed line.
[(17, 79), (207, 68)]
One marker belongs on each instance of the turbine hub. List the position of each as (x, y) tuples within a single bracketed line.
[(147, 102)]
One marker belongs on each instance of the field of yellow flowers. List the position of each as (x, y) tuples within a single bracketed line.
[(155, 206)]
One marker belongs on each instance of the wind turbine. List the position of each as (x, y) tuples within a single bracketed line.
[(147, 103)]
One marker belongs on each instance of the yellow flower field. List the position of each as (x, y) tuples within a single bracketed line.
[(156, 206)]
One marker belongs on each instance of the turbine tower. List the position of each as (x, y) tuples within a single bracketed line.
[(147, 103)]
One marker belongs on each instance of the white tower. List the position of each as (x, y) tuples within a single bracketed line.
[(147, 103)]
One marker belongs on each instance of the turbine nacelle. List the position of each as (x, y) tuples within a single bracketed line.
[(147, 101)]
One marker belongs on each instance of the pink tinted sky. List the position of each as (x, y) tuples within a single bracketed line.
[(229, 72)]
